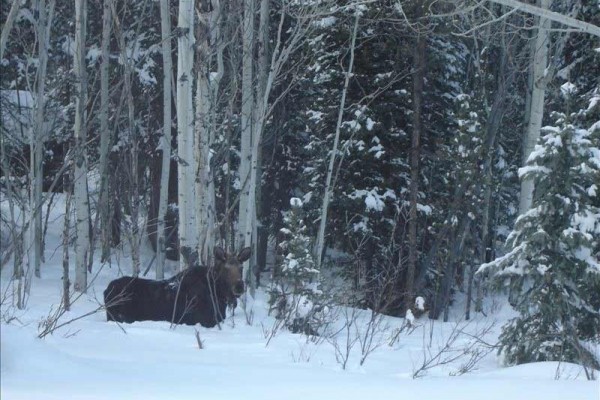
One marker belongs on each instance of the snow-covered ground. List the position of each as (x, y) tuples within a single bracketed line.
[(93, 359)]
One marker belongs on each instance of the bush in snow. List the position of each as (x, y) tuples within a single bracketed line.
[(294, 293), (551, 259)]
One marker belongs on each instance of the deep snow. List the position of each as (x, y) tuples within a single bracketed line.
[(93, 359)]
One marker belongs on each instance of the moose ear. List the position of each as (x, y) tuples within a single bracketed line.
[(244, 254), (220, 254)]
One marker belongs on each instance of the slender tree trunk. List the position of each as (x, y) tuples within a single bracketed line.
[(20, 265), (415, 153), (483, 245), (450, 273), (135, 236), (66, 298), (250, 216), (16, 237), (163, 202), (245, 211), (328, 190), (211, 48), (188, 232), (494, 120), (80, 129), (8, 24), (536, 108), (260, 236), (37, 138), (104, 202)]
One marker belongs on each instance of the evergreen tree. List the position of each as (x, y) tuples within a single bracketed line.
[(295, 292), (551, 250)]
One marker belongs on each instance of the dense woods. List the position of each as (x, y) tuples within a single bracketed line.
[(378, 154)]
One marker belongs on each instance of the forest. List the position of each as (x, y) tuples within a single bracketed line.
[(412, 160)]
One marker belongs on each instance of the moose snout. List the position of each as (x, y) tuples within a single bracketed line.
[(238, 288)]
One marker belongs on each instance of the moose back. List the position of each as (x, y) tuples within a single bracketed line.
[(198, 294)]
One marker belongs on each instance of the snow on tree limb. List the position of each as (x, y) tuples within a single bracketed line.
[(582, 26)]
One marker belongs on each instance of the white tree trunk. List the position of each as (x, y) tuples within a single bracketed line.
[(127, 57), (327, 192), (8, 24), (188, 232), (259, 107), (536, 108), (37, 138), (80, 176), (205, 214), (103, 202), (211, 46), (247, 190), (161, 234)]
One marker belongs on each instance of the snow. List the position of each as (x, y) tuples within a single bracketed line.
[(373, 202), (316, 116), (93, 359), (13, 122), (93, 55), (425, 209), (68, 46), (378, 150), (586, 221), (295, 202), (534, 169), (568, 89), (353, 126), (326, 22), (420, 303), (370, 124), (20, 98)]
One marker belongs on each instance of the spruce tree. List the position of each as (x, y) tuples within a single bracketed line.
[(295, 283), (551, 251)]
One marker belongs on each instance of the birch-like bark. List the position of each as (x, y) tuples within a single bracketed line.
[(257, 260), (247, 191), (103, 202), (8, 24), (328, 190), (163, 202), (415, 153), (536, 108), (127, 57), (211, 47), (80, 176), (188, 232), (267, 72), (37, 138), (263, 86), (186, 171)]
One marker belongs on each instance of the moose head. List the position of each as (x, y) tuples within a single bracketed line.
[(229, 266)]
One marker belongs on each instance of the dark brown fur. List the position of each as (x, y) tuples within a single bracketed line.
[(197, 295)]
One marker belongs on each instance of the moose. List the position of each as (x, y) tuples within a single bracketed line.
[(199, 294)]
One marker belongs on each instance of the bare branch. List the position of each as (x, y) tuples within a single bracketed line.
[(581, 26)]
